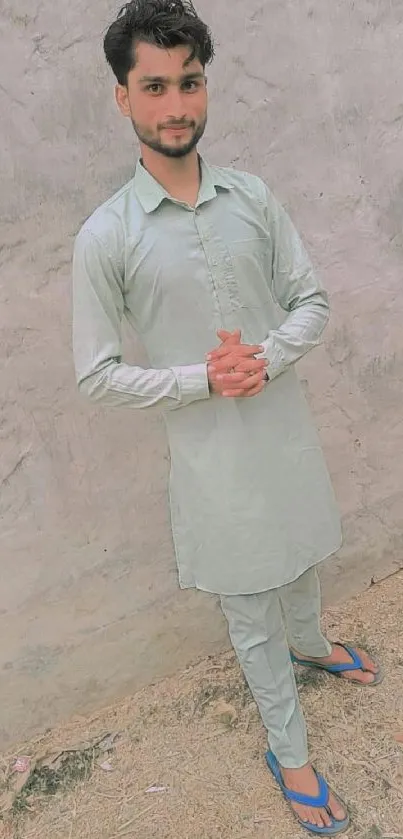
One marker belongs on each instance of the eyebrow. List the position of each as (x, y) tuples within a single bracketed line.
[(165, 79)]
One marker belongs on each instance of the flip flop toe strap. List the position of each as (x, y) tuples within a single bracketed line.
[(356, 663), (319, 800)]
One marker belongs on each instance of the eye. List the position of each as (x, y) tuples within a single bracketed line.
[(154, 88), (190, 84)]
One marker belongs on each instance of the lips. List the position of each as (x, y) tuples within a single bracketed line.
[(176, 127)]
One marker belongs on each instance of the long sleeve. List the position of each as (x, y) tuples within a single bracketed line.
[(297, 291), (98, 308)]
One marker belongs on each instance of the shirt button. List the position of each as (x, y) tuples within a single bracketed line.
[(214, 262)]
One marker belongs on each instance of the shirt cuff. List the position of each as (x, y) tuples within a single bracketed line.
[(275, 357), (193, 383)]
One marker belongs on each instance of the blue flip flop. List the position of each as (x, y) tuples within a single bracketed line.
[(320, 800), (338, 669)]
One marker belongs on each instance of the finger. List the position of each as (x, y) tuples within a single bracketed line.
[(226, 338), (244, 393), (226, 364), (234, 337), (240, 350), (239, 382), (255, 390), (226, 347), (229, 380), (223, 373), (251, 365), (233, 357), (233, 393), (252, 381), (231, 365)]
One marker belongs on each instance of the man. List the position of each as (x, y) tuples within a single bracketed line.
[(188, 252)]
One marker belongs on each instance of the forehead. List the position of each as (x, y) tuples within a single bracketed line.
[(156, 61)]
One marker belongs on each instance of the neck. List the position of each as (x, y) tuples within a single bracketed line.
[(180, 177)]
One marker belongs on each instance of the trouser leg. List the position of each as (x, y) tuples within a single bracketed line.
[(257, 632), (301, 606)]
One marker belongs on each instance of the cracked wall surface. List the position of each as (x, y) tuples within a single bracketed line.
[(306, 94)]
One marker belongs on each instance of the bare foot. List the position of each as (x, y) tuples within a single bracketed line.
[(340, 656), (304, 781)]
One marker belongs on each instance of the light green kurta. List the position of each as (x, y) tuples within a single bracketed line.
[(251, 501)]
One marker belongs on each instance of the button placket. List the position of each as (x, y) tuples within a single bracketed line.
[(206, 241), (220, 266)]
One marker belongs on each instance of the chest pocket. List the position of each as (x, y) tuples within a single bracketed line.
[(251, 261)]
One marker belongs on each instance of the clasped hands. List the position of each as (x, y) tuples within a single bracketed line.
[(233, 369)]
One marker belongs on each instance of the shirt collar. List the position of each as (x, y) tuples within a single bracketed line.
[(151, 194)]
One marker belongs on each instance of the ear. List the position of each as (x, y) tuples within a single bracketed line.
[(122, 99)]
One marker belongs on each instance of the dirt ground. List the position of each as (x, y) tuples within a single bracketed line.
[(184, 759)]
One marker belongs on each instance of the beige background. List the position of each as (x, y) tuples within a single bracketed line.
[(307, 94)]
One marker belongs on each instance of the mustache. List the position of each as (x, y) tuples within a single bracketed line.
[(176, 124)]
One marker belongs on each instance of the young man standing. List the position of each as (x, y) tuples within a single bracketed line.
[(188, 252)]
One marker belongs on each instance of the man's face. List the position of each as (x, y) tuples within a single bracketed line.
[(166, 99)]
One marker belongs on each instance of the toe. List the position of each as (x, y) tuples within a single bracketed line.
[(314, 817), (368, 663), (366, 675), (359, 675), (339, 814), (322, 818), (326, 819), (336, 808), (310, 815)]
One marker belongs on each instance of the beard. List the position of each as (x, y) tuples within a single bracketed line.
[(154, 143)]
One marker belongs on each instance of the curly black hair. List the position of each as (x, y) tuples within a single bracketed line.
[(165, 23)]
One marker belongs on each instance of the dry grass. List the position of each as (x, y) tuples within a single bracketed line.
[(199, 736)]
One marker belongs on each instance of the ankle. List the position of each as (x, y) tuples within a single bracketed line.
[(316, 654), (294, 770)]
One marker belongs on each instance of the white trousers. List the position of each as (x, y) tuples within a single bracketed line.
[(262, 628)]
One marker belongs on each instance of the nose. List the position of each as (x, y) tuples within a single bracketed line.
[(176, 109)]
